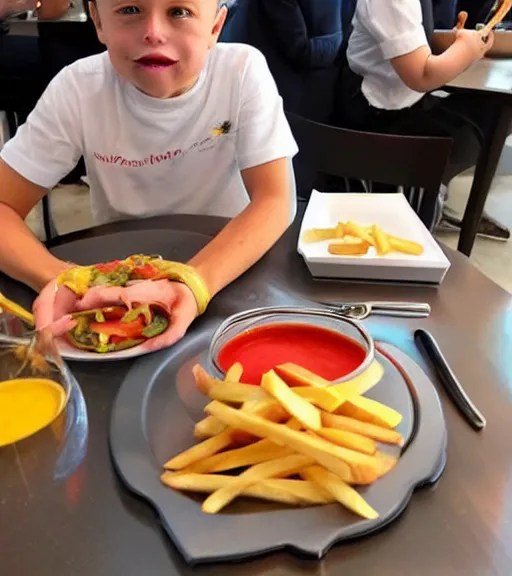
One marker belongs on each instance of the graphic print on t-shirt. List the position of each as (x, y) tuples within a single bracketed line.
[(207, 143)]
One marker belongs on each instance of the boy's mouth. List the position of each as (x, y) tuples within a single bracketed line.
[(155, 61)]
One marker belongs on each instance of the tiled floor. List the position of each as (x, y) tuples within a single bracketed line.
[(71, 209)]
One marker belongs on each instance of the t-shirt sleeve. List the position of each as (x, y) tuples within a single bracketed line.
[(396, 26), (263, 132), (49, 144)]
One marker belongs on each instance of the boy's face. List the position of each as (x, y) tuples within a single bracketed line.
[(160, 46)]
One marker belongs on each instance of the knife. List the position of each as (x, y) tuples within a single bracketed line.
[(448, 379)]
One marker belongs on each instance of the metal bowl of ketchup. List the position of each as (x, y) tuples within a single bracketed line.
[(320, 340)]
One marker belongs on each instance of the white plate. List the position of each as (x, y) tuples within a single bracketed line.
[(394, 215), (69, 352)]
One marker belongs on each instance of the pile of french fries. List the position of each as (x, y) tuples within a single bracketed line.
[(296, 439), (352, 239)]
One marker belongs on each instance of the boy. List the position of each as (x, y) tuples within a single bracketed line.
[(168, 121), (391, 69)]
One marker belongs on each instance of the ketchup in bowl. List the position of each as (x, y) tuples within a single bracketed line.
[(325, 352)]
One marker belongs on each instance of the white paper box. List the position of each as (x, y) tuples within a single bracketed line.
[(395, 216)]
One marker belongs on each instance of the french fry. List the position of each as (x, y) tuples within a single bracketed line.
[(351, 466), (203, 380), (405, 246), (343, 493), (274, 468), (319, 234), (235, 392), (234, 372), (372, 431), (294, 492), (260, 451), (360, 384), (199, 451), (382, 243), (208, 427), (346, 249), (340, 230), (368, 410), (295, 375), (359, 231), (301, 409), (224, 389), (349, 440), (325, 398), (268, 408), (504, 8), (385, 463), (294, 424)]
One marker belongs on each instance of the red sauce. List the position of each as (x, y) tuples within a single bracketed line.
[(324, 352)]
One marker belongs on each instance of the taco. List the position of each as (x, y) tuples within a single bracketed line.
[(117, 328)]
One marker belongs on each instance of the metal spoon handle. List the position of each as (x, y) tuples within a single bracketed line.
[(418, 307), (449, 380), (400, 313)]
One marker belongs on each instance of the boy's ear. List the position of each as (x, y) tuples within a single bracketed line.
[(220, 19), (93, 11)]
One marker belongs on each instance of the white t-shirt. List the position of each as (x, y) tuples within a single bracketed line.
[(384, 30), (147, 156)]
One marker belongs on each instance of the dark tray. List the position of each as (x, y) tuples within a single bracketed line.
[(153, 418)]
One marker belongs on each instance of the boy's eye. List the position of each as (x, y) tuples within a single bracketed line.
[(129, 10), (179, 12)]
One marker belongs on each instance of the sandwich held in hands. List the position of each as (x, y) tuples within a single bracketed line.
[(153, 290)]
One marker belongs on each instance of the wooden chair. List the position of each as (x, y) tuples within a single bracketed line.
[(416, 164)]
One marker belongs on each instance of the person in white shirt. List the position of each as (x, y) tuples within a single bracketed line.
[(168, 121), (390, 71)]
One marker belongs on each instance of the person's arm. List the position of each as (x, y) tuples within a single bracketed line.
[(422, 71), (22, 256), (41, 153), (264, 148), (253, 232), (52, 9)]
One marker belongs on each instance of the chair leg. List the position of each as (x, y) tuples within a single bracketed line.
[(11, 122), (50, 230)]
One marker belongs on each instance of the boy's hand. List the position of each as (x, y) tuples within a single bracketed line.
[(174, 296), (474, 42), (53, 307)]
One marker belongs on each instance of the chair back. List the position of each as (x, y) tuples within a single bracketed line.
[(415, 163)]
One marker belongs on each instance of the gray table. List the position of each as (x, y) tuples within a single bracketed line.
[(90, 525), (490, 79)]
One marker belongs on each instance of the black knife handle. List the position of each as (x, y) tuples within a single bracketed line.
[(449, 380)]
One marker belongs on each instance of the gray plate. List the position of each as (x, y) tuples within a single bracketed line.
[(153, 418)]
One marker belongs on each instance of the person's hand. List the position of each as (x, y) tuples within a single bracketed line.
[(53, 307), (175, 297), (474, 42)]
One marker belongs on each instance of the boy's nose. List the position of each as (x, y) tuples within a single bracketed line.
[(154, 32)]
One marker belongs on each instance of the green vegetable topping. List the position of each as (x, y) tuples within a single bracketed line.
[(158, 325)]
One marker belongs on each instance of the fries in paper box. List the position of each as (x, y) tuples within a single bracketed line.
[(352, 239)]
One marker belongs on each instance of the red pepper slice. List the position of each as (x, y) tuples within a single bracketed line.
[(145, 272), (108, 266), (132, 330), (114, 313)]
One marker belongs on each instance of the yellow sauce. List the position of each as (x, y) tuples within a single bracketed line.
[(28, 405)]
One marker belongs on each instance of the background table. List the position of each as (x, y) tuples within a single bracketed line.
[(19, 23), (491, 79), (92, 525)]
